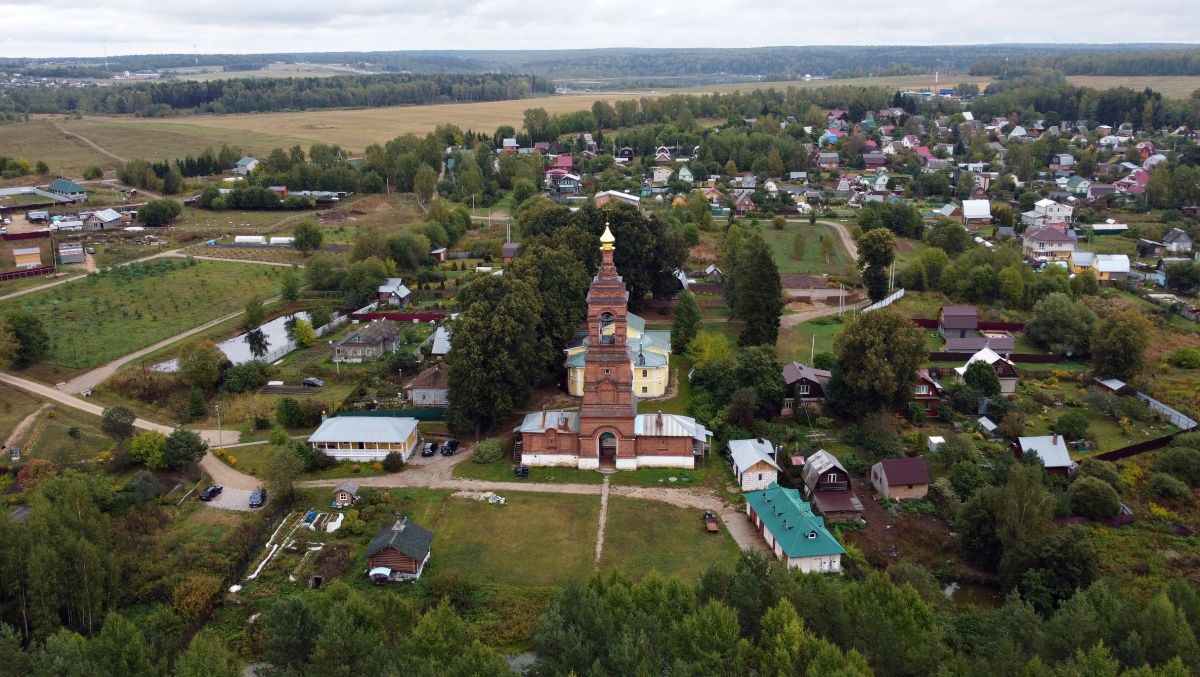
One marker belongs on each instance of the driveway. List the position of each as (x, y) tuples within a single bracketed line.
[(231, 499)]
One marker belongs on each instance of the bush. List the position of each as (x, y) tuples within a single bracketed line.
[(288, 414), (393, 462), (1166, 488), (1102, 470), (1185, 358), (1093, 498), (1181, 463), (489, 451), (916, 413), (1072, 425)]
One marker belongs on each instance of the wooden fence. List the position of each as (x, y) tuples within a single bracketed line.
[(31, 235), (928, 323)]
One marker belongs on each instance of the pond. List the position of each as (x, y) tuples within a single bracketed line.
[(238, 350), (973, 594)]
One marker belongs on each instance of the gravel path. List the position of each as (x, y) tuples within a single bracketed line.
[(24, 426), (603, 521)]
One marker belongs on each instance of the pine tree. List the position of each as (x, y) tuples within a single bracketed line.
[(759, 297), (687, 322)]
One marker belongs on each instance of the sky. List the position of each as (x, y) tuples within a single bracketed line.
[(34, 28)]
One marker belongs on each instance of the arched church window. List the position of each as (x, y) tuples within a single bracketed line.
[(608, 332)]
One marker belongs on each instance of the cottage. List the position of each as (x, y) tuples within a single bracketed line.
[(1006, 371), (429, 388), (345, 494), (399, 553), (365, 439), (68, 189), (901, 479), (1108, 268), (827, 485), (1149, 248), (927, 393), (976, 213), (1112, 385), (510, 145), (792, 532), (753, 463), (803, 383), (1051, 449), (828, 160), (604, 197), (508, 251), (104, 219), (245, 166), (957, 321), (1047, 243), (685, 175), (1046, 212), (1177, 241), (368, 344), (394, 293)]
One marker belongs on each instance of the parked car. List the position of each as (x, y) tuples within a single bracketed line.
[(91, 250), (313, 382), (210, 493), (429, 449), (258, 497), (449, 447)]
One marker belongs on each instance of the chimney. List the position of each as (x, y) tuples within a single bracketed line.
[(1054, 440)]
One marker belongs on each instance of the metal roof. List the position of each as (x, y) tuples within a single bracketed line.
[(791, 521), (745, 453), (441, 341), (671, 425), (540, 421), (364, 429), (1052, 449)]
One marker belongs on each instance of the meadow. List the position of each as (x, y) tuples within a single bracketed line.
[(113, 314)]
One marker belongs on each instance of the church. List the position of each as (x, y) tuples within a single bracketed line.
[(607, 431)]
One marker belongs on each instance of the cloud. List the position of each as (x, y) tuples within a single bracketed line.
[(89, 28)]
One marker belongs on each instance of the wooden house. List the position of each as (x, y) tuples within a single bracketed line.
[(399, 552), (827, 485), (803, 384), (753, 463), (901, 479), (345, 494), (430, 388), (957, 321), (1051, 449), (927, 393), (368, 344)]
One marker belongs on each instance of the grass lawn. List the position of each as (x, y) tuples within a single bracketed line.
[(39, 140), (10, 286), (796, 343), (253, 460), (15, 405), (113, 314), (643, 536), (242, 223), (66, 435), (711, 472), (677, 404), (502, 471), (781, 242)]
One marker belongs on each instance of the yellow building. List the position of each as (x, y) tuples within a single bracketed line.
[(649, 359)]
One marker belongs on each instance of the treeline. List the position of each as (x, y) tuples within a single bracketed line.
[(261, 95), (1166, 62), (1048, 94)]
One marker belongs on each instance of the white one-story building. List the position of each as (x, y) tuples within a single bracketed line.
[(753, 463), (792, 532), (366, 438)]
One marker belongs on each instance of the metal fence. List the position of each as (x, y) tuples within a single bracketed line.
[(899, 294), (419, 413), (1175, 417)]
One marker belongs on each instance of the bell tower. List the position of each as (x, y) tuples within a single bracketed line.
[(606, 417)]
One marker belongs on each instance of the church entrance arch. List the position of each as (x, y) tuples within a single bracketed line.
[(607, 443)]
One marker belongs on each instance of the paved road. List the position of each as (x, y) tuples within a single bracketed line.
[(95, 377)]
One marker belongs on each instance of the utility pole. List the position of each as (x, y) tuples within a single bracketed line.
[(220, 433)]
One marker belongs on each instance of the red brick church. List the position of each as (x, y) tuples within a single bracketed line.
[(607, 431)]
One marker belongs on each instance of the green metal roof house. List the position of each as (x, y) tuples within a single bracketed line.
[(67, 188), (792, 532)]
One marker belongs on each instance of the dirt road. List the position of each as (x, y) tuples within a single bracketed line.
[(89, 142), (844, 236), (24, 426)]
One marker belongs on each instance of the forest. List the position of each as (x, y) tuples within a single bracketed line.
[(1164, 62), (250, 95)]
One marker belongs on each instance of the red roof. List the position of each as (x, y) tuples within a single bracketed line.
[(564, 162), (905, 470)]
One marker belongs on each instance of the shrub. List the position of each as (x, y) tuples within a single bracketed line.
[(916, 413), (288, 414), (489, 451), (1167, 488), (1072, 425), (1182, 463), (1103, 470), (393, 462), (1185, 358), (149, 448), (1093, 498)]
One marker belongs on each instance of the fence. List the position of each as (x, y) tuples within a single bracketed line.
[(899, 294), (429, 316), (1176, 418), (1173, 416), (31, 235), (706, 288), (421, 414), (32, 272), (927, 323), (290, 346), (1028, 358)]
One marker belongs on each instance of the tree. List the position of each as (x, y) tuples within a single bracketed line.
[(982, 377), (207, 656), (92, 173), (307, 237), (759, 297), (361, 281), (1061, 325), (758, 369), (1119, 345), (876, 252), (561, 282), (290, 630), (117, 423), (254, 315), (149, 448), (200, 364), (897, 631), (305, 335), (686, 325), (1093, 498), (289, 285), (184, 448), (159, 212), (1164, 487), (877, 359), (826, 244), (288, 414), (119, 649), (488, 451), (282, 468), (950, 236), (424, 182), (32, 340), (9, 346), (1072, 425)]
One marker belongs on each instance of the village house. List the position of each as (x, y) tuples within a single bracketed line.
[(604, 197), (793, 533), (364, 439), (399, 552), (508, 251), (68, 189), (607, 431), (901, 479), (1051, 449), (430, 388), (368, 344), (394, 293), (828, 161), (1046, 212), (345, 494), (1006, 371), (827, 485), (957, 321), (927, 393), (976, 213), (802, 384), (1147, 249), (754, 463), (1047, 243), (245, 166), (1176, 241), (105, 219), (1108, 268)]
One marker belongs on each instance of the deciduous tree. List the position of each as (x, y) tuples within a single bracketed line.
[(1119, 345), (877, 359), (876, 252), (686, 325)]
